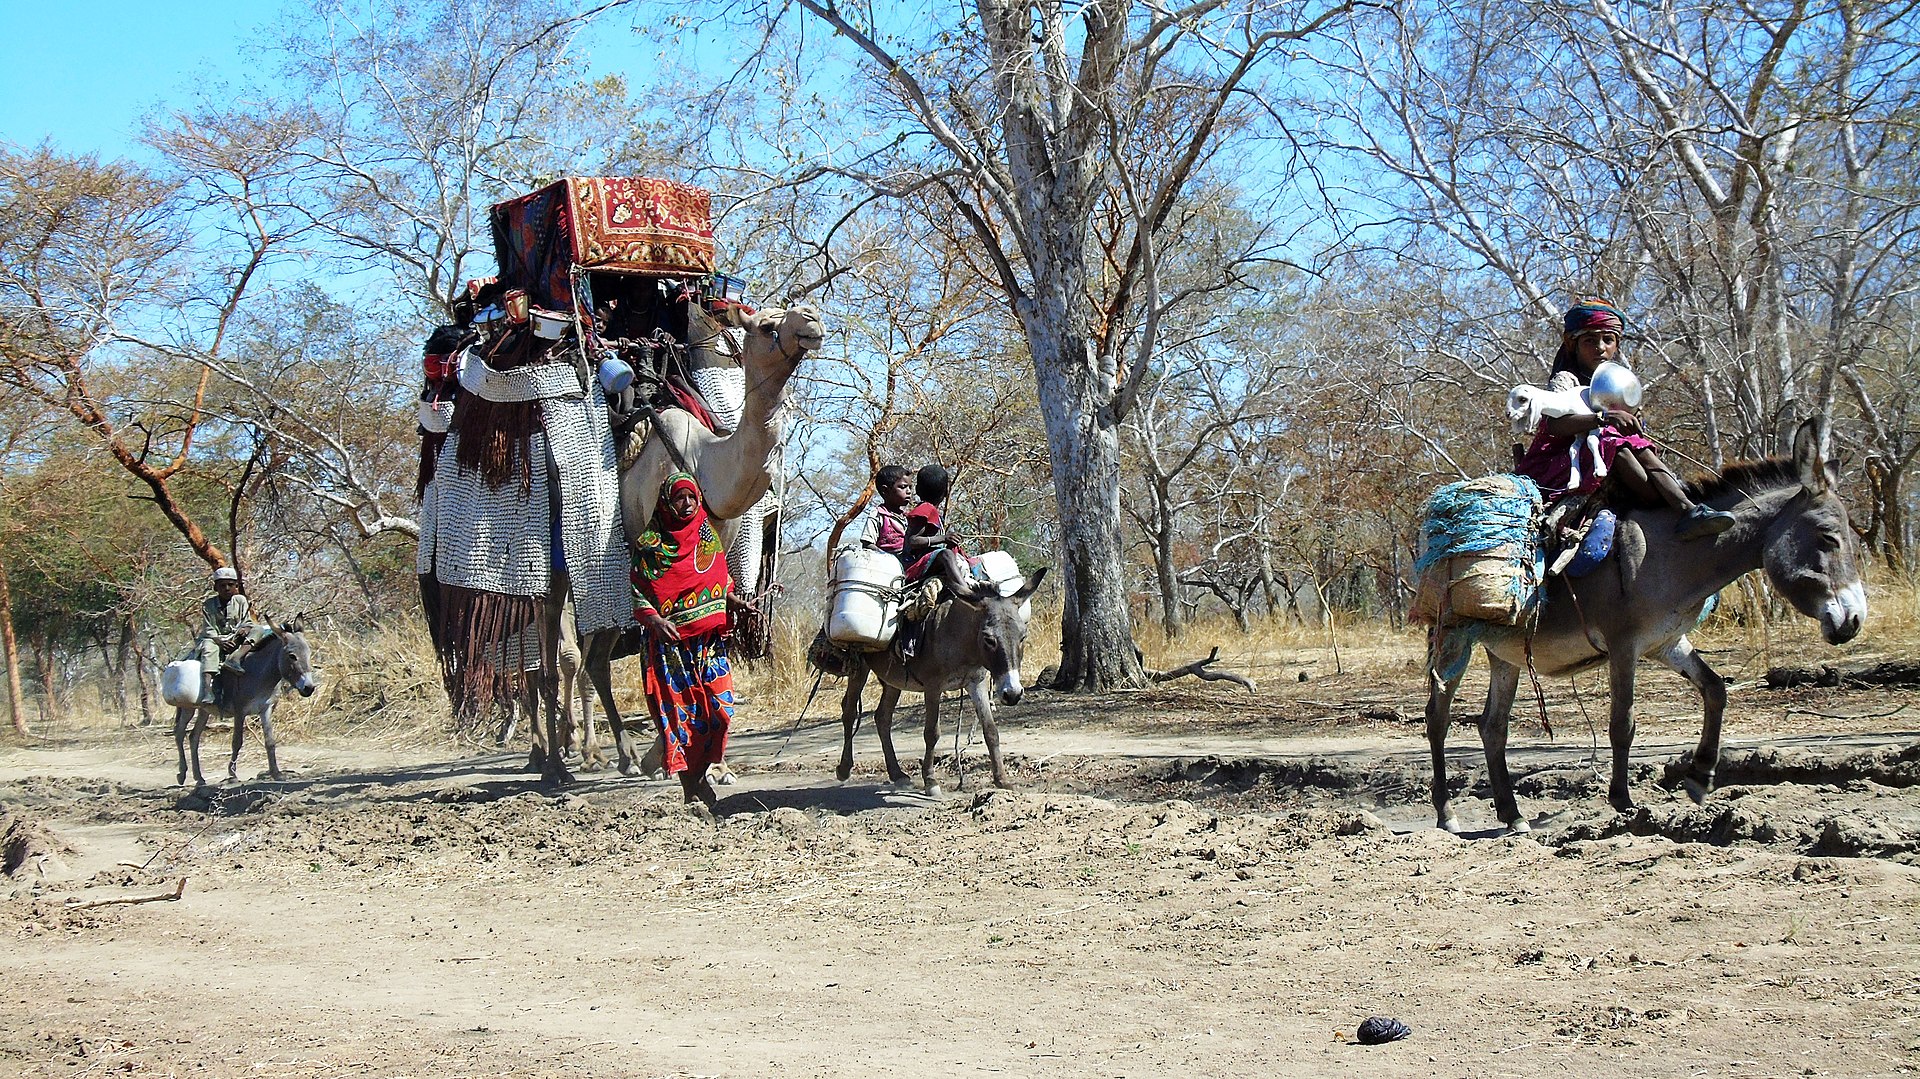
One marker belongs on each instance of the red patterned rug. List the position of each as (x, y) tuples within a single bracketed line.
[(641, 225)]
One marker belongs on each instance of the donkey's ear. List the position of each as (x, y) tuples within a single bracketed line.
[(1032, 585), (1810, 456)]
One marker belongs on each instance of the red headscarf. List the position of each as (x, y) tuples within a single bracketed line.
[(679, 566)]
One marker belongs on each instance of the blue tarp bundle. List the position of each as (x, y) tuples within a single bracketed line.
[(1490, 516), (1480, 562)]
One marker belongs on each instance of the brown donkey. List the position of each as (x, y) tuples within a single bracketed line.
[(974, 643), (1645, 598)]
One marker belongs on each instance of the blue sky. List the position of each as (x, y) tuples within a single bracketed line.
[(84, 74)]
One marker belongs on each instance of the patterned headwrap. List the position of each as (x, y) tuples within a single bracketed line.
[(1589, 315), (679, 567)]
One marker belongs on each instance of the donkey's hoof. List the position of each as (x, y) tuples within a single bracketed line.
[(726, 778), (933, 790), (900, 779), (1450, 824), (1519, 827), (1697, 789), (843, 771), (1621, 803)]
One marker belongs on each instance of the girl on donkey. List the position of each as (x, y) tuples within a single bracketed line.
[(1562, 458)]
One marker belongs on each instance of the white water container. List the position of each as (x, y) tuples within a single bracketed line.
[(998, 569), (180, 683), (866, 600)]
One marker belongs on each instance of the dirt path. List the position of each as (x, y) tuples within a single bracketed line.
[(1187, 881)]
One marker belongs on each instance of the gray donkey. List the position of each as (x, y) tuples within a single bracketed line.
[(965, 642), (280, 659), (1644, 599)]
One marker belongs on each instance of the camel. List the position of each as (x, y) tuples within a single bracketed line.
[(732, 469)]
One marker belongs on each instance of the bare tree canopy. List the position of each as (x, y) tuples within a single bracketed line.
[(1065, 137)]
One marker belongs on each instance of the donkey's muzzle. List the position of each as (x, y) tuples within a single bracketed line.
[(1009, 688), (1843, 615), (305, 685)]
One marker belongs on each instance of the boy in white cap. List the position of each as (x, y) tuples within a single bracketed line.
[(226, 628)]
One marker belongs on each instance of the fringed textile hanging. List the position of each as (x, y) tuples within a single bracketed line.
[(475, 628)]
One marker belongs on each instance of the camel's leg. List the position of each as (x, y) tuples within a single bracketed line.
[(850, 715), (563, 696), (1620, 665), (599, 665), (527, 704), (592, 757), (569, 673), (273, 744), (883, 723), (181, 716), (552, 609), (1494, 723), (1682, 657), (980, 691), (933, 739), (1443, 652), (239, 736)]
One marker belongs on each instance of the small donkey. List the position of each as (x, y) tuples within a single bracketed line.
[(281, 659), (964, 643)]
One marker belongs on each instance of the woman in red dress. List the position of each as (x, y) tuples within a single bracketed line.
[(682, 594)]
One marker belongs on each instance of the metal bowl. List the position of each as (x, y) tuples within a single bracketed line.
[(1613, 386)]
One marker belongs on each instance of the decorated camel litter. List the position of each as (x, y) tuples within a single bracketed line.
[(607, 346)]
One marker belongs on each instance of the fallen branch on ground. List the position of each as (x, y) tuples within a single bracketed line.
[(179, 887), (1826, 676), (1198, 669)]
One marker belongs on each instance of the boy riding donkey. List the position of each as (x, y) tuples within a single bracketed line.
[(227, 629), (918, 538)]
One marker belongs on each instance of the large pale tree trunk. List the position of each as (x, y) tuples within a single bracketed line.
[(1083, 444)]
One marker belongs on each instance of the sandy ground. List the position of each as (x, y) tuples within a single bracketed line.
[(1187, 880)]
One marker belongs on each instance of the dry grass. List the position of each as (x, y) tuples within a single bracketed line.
[(383, 685)]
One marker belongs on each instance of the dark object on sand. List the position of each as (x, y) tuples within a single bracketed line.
[(1380, 1030)]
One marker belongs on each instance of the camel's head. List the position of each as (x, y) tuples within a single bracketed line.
[(782, 334)]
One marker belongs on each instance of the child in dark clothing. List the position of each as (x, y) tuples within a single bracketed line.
[(928, 549)]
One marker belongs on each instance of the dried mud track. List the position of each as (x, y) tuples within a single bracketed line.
[(1175, 910)]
